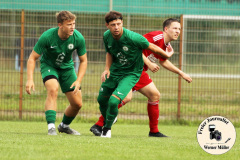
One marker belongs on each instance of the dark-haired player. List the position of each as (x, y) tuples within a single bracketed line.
[(171, 31), (124, 65)]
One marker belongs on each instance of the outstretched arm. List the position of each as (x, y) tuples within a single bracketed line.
[(30, 69), (169, 66), (165, 54)]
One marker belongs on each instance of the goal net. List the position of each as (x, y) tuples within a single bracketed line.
[(210, 46)]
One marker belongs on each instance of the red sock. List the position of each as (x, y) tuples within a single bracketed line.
[(100, 121), (121, 104), (153, 114)]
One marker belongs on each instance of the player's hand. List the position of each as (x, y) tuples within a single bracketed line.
[(77, 85), (105, 75), (153, 67), (29, 86), (169, 50), (186, 77)]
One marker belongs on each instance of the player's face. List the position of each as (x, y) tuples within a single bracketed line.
[(173, 31), (115, 27), (67, 28)]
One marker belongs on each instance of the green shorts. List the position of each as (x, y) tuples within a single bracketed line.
[(119, 86), (65, 77)]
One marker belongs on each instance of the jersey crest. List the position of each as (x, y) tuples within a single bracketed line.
[(70, 46), (125, 48)]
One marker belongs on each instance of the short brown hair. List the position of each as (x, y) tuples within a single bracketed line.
[(169, 21), (113, 15), (64, 15)]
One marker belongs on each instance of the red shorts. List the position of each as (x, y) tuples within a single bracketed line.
[(143, 81)]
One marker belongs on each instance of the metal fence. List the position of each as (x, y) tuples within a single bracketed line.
[(208, 50)]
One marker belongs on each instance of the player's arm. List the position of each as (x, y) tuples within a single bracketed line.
[(155, 49), (81, 72), (169, 66), (152, 66), (106, 72), (30, 69)]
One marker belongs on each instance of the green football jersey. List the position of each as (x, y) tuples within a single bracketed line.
[(56, 52), (126, 52)]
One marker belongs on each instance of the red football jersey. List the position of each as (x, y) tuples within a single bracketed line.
[(155, 37)]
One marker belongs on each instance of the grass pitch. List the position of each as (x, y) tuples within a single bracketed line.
[(29, 140)]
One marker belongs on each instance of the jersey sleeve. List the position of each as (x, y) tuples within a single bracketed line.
[(105, 45), (140, 41), (106, 34), (81, 47), (41, 45)]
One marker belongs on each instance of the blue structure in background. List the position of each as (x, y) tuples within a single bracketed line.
[(153, 7)]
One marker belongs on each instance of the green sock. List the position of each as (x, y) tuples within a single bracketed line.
[(50, 116), (103, 105), (112, 111), (67, 120)]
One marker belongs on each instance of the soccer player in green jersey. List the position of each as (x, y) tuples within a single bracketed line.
[(56, 46), (124, 65), (145, 85)]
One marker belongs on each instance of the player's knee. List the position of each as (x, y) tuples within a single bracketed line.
[(158, 95), (77, 105), (53, 93), (155, 96), (102, 101), (113, 105)]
